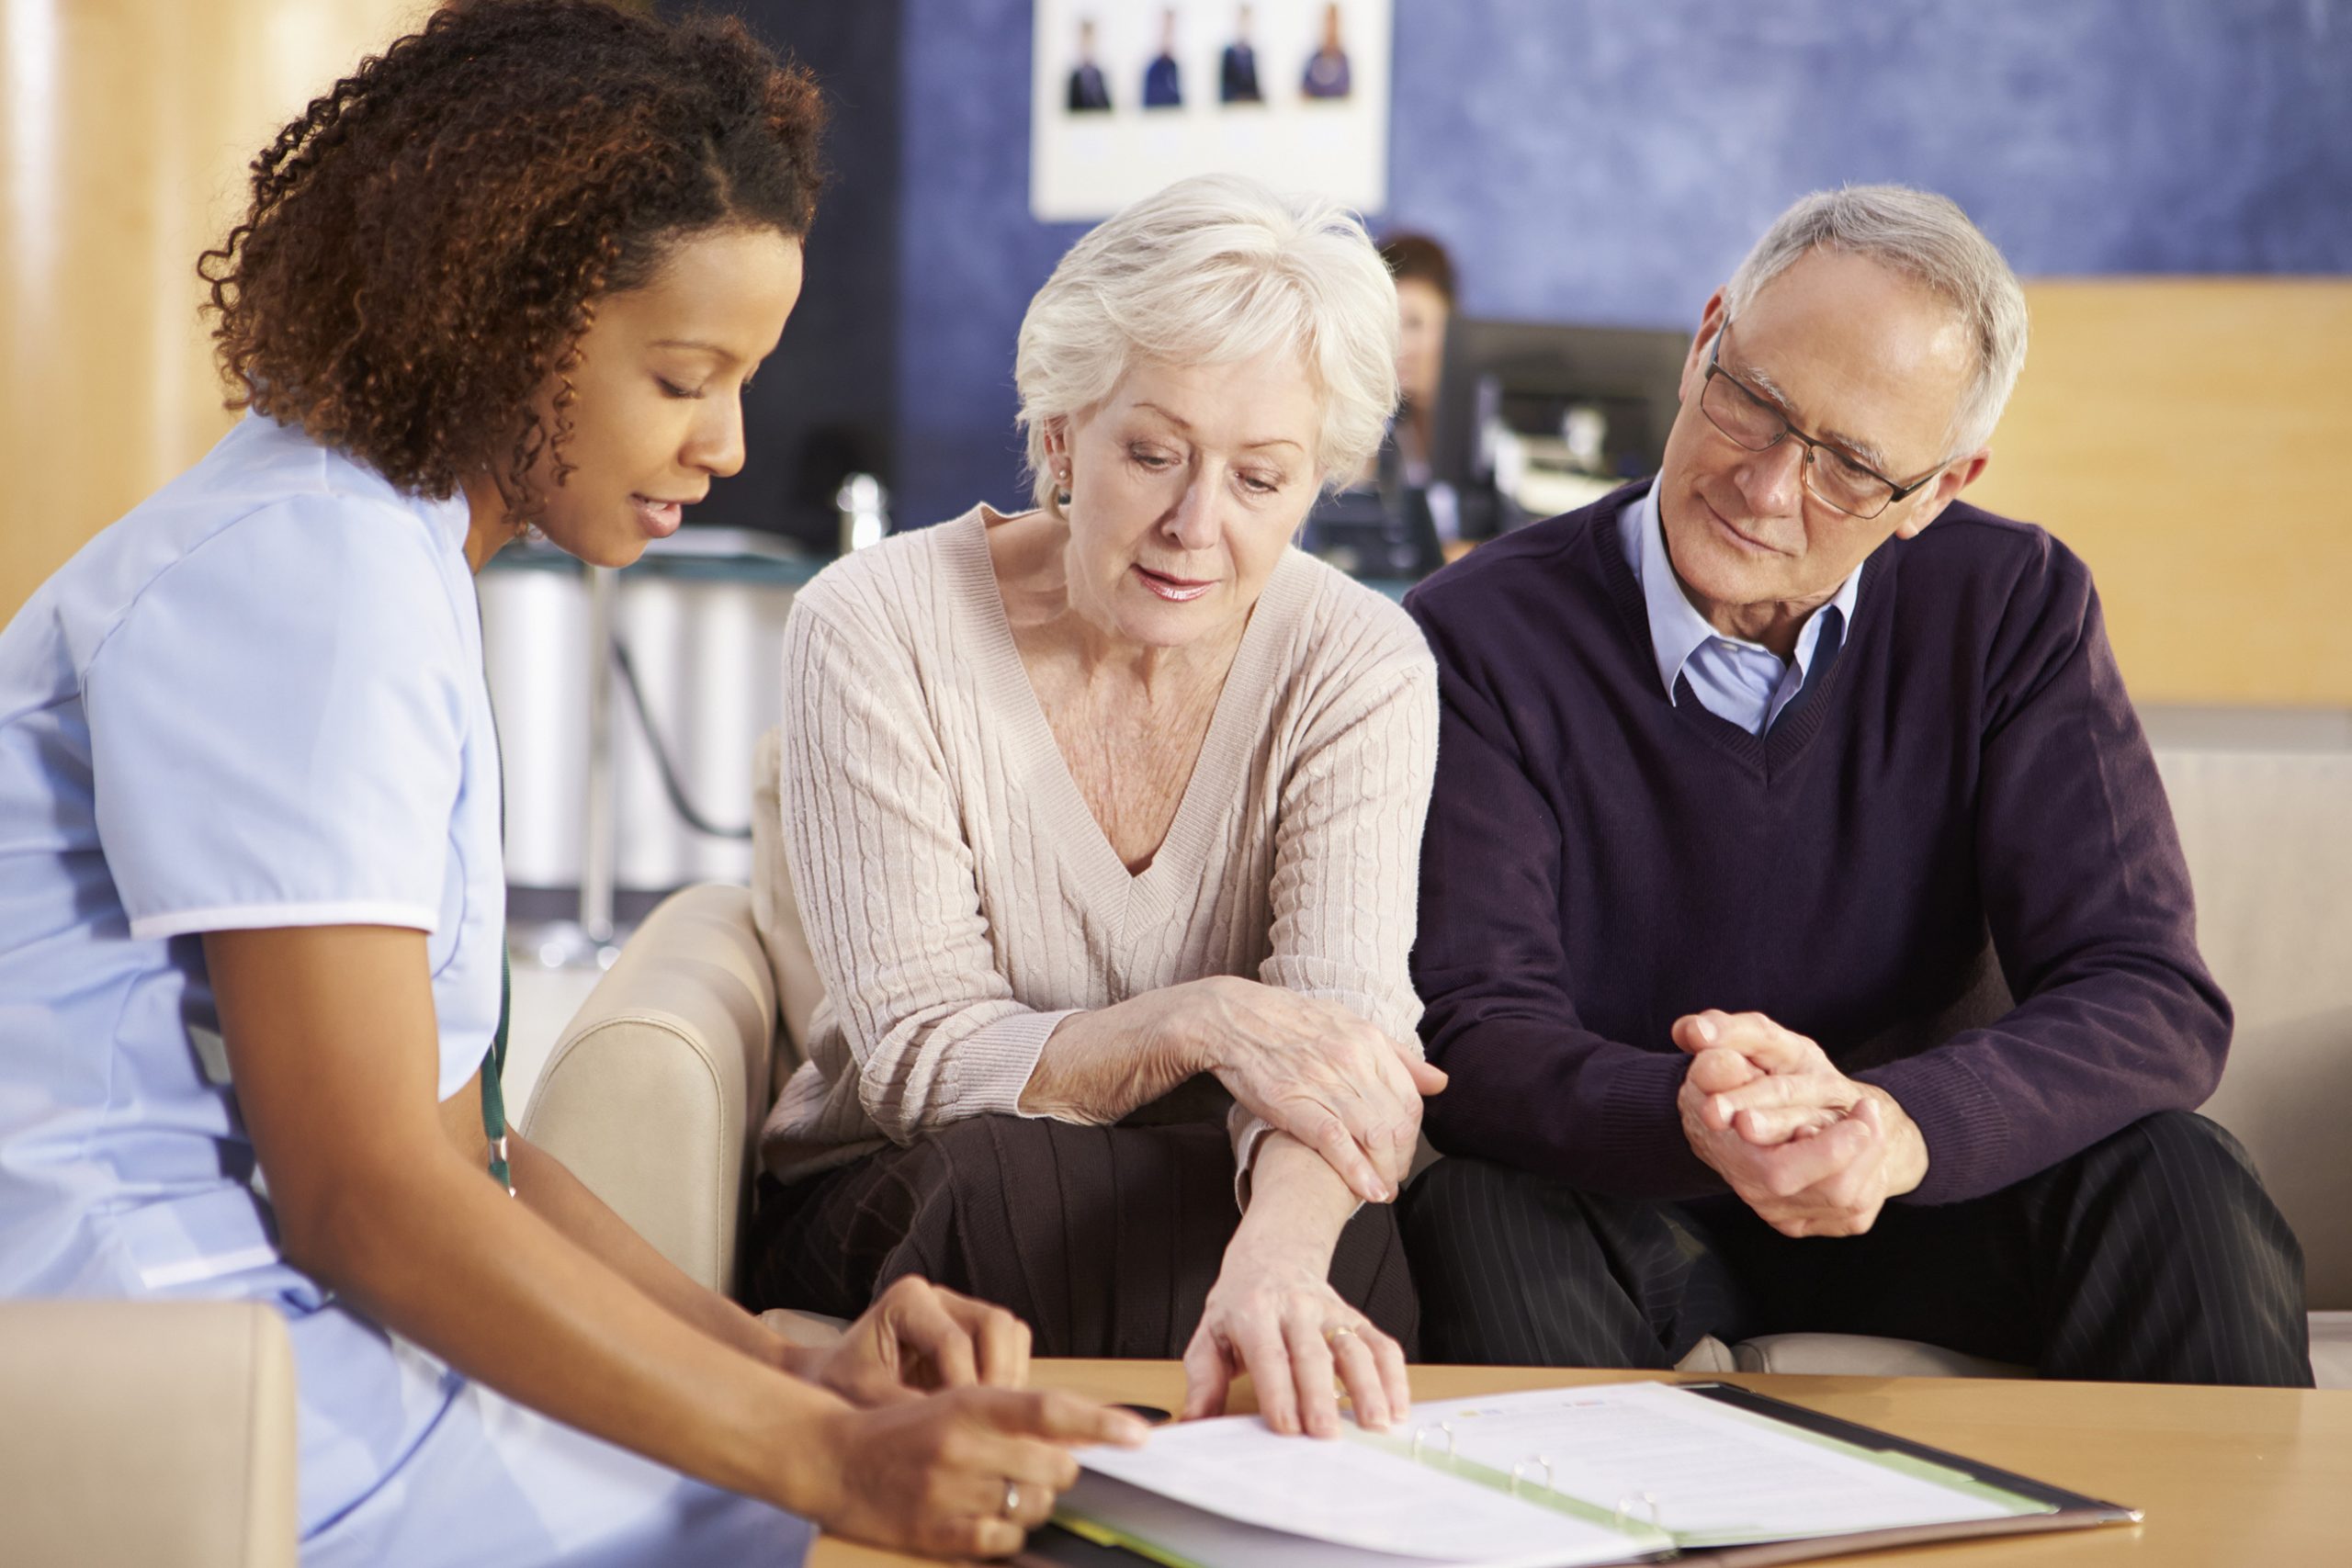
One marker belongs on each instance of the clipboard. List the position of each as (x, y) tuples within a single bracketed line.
[(1079, 1543), (2070, 1510)]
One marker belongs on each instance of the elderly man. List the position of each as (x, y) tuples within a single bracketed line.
[(1803, 923)]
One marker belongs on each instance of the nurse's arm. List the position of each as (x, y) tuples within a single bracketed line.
[(332, 1047), (564, 1201), (915, 1332)]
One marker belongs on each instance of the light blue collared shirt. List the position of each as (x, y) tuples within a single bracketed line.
[(1736, 679)]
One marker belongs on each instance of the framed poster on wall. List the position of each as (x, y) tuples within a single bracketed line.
[(1129, 94)]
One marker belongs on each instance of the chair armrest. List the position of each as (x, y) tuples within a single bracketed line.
[(654, 1093), (151, 1432), (1864, 1355)]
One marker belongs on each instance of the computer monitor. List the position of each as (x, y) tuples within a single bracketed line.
[(1376, 532), (1528, 377)]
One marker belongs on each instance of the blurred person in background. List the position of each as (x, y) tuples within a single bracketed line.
[(1424, 275), (1395, 519)]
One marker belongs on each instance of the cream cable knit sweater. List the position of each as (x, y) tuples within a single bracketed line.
[(960, 898)]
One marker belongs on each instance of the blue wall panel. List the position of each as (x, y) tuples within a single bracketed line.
[(1609, 160), (970, 254), (826, 404)]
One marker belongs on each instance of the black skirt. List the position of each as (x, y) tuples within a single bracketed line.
[(1106, 1240)]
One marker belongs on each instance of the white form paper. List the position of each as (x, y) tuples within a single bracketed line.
[(1713, 1474), (1201, 1537), (1349, 1493)]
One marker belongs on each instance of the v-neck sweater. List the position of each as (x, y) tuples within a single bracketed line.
[(1953, 865), (958, 896)]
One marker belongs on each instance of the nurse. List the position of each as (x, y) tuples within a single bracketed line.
[(511, 273)]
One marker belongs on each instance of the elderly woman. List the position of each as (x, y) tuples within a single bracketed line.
[(1103, 820)]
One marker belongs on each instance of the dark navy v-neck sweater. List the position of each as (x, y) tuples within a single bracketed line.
[(1962, 811)]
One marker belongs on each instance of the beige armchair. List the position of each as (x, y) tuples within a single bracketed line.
[(159, 1433), (654, 1094)]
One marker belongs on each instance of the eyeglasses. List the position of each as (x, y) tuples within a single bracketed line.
[(1831, 476)]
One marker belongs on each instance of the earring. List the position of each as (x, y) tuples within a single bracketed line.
[(1061, 494)]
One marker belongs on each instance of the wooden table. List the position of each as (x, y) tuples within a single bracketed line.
[(2225, 1476)]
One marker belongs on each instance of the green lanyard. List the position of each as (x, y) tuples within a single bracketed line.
[(494, 1069), (494, 1062)]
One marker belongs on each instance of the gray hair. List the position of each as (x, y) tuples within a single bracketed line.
[(1928, 236), (1216, 270)]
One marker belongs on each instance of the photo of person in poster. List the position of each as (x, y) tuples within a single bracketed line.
[(1327, 68), (1238, 71), (1088, 93), (1127, 96), (1162, 87)]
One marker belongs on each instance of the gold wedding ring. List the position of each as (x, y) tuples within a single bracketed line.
[(1333, 1335)]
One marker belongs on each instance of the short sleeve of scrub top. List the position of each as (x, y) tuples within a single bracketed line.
[(278, 726)]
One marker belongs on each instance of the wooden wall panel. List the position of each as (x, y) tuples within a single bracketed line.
[(2192, 439), (125, 129)]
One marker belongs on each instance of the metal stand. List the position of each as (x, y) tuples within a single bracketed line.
[(588, 942)]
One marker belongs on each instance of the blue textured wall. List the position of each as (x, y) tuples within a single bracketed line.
[(970, 254), (1609, 160), (826, 404)]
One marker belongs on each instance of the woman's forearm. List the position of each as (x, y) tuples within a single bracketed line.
[(381, 1192), (1276, 1281), (1097, 1066), (445, 1258), (1303, 1063), (1298, 1205), (552, 1192)]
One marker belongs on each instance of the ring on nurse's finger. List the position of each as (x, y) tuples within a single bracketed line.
[(1011, 1499), (1333, 1335)]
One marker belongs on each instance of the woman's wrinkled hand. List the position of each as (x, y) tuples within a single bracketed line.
[(966, 1473), (1276, 1318), (919, 1338), (1312, 1069)]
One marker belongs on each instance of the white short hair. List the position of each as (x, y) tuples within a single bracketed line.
[(1928, 236), (1215, 270)]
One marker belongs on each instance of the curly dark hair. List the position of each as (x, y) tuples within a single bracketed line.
[(427, 241)]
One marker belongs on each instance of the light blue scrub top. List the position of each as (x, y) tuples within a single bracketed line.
[(255, 701)]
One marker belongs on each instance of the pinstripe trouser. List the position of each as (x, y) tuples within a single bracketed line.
[(2153, 1257), (1106, 1240)]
